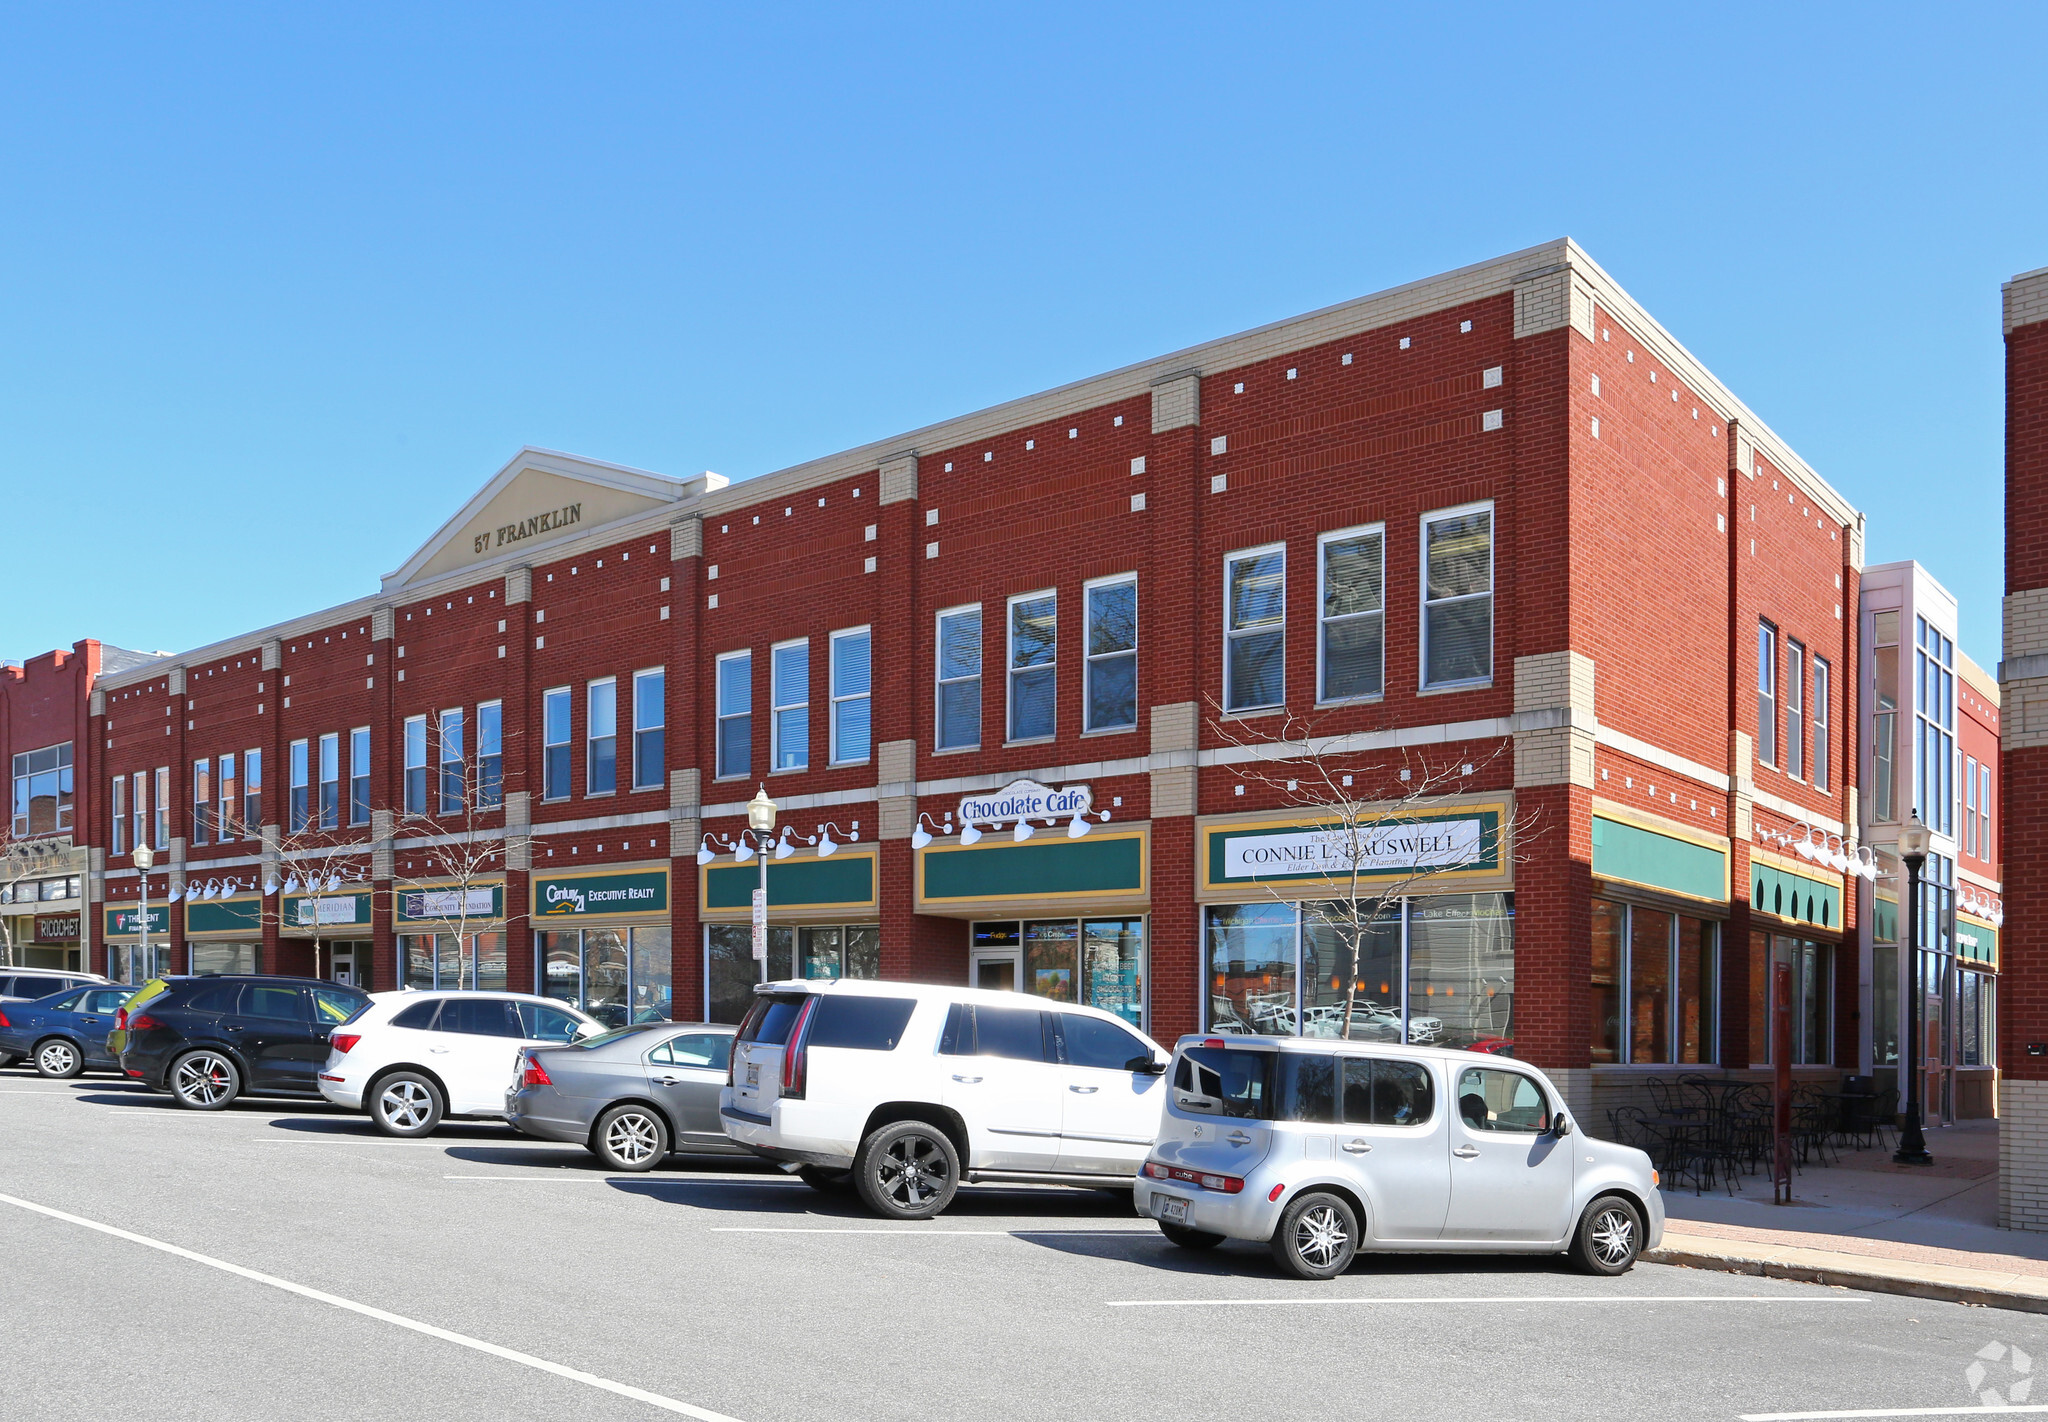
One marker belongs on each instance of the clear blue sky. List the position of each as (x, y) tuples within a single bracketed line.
[(283, 285)]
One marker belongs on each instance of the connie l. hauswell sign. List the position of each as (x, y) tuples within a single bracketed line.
[(1464, 841)]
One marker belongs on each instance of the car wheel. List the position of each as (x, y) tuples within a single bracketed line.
[(59, 1059), (406, 1104), (825, 1178), (204, 1081), (630, 1137), (1317, 1238), (907, 1171), (1609, 1238), (1190, 1238)]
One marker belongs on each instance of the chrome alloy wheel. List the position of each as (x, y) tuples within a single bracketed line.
[(405, 1105), (203, 1078), (1320, 1236), (632, 1137), (1613, 1236), (914, 1171), (57, 1059)]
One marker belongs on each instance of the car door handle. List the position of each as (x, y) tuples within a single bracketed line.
[(90, 1021), (438, 1051), (970, 1080), (1357, 1147), (1466, 1152), (671, 1081), (232, 1026), (1239, 1138), (1085, 1090)]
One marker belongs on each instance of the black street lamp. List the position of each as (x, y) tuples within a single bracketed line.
[(1913, 842)]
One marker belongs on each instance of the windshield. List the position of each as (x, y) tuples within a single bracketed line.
[(772, 1018), (616, 1034)]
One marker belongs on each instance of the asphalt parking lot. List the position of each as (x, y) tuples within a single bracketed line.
[(283, 1260)]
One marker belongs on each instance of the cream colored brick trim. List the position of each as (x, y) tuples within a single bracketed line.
[(2023, 1155), (381, 623), (273, 651), (1173, 792), (2026, 299), (898, 815), (519, 584), (97, 706), (1177, 401), (1555, 679), (177, 681), (686, 538), (1173, 727), (685, 794), (899, 479), (2026, 624), (1550, 299)]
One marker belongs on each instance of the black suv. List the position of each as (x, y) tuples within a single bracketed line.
[(208, 1040)]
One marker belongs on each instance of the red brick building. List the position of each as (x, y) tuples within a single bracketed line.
[(1495, 534), (2023, 688)]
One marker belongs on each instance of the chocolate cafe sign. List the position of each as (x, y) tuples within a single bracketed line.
[(1026, 800)]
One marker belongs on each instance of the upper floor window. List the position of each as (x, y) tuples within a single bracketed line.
[(358, 775), (1457, 598), (1255, 628), (415, 765), (1934, 747), (1034, 679), (1884, 663), (252, 793), (141, 807), (650, 715), (330, 781), (230, 799), (42, 790), (735, 713), (1351, 607), (1111, 701), (1987, 846), (555, 753), (452, 787), (202, 800), (1821, 690), (1795, 708), (301, 781), (852, 725), (789, 691), (959, 679), (490, 755), (1970, 805), (601, 736), (118, 821), (162, 813), (1766, 693)]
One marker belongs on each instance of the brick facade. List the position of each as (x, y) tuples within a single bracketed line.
[(1644, 520)]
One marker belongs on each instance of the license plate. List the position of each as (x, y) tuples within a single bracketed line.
[(753, 1073), (1171, 1209)]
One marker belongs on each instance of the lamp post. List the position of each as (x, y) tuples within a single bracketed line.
[(1913, 842), (144, 857), (761, 821)]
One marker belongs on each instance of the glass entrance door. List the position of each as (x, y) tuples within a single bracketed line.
[(996, 971)]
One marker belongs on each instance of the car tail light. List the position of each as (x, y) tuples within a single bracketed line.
[(1215, 1042), (3, 1020), (534, 1073), (142, 1022), (344, 1041), (1208, 1180), (796, 1057), (120, 1019)]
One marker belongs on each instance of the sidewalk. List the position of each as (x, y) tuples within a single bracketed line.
[(1866, 1223)]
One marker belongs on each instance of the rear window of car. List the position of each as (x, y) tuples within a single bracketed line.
[(332, 1006), (1223, 1082), (105, 999), (211, 997), (602, 1039), (705, 1051), (25, 986), (420, 1015), (869, 1024), (771, 1017)]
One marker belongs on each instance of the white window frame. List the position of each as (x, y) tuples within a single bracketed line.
[(1794, 758), (497, 755), (837, 696), (298, 760), (591, 737), (1010, 667), (359, 740), (202, 805), (776, 708), (230, 789), (940, 681), (1089, 657), (141, 809), (1818, 753), (1323, 540), (426, 758), (1229, 634), (1970, 806), (556, 794), (119, 822), (437, 758), (163, 807), (252, 791), (720, 715), (661, 771), (1773, 754), (1424, 602)]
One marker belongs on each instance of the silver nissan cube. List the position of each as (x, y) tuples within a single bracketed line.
[(1323, 1149)]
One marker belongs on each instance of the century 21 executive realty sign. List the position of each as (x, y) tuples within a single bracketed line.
[(601, 893), (1464, 841)]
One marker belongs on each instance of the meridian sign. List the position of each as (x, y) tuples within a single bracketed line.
[(1026, 800)]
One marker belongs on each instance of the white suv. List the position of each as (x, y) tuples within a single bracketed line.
[(411, 1058), (912, 1089)]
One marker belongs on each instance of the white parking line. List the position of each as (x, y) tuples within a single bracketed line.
[(1512, 1299), (891, 1231), (652, 1399), (620, 1179), (1890, 1412)]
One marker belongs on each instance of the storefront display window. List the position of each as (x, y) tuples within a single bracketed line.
[(1812, 967), (444, 961), (1667, 977), (1978, 994), (1439, 970), (851, 950), (1099, 962), (617, 975), (222, 958)]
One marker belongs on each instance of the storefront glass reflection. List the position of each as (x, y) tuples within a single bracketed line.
[(444, 961), (851, 950), (1307, 969), (617, 975)]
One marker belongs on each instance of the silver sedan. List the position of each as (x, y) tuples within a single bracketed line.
[(629, 1096)]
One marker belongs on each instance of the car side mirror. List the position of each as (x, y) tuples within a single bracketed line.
[(1147, 1065), (1560, 1124)]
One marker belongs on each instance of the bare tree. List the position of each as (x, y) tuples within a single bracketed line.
[(461, 860), (1374, 846)]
